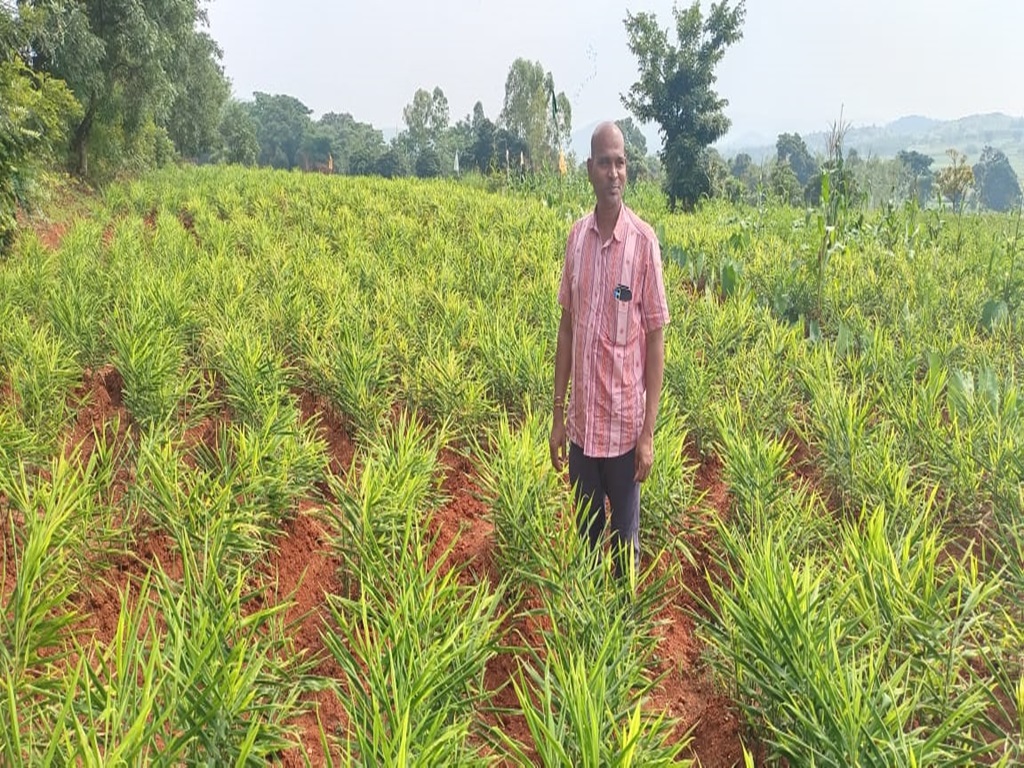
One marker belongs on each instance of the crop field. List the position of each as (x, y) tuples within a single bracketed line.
[(275, 487)]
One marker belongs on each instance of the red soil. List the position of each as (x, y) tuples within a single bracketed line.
[(331, 429), (7, 554), (52, 235), (303, 569), (807, 470), (688, 692), (99, 406), (99, 603), (304, 572)]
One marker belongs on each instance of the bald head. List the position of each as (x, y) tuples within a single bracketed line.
[(605, 132), (606, 168)]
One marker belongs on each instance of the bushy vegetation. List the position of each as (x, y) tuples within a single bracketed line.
[(853, 376)]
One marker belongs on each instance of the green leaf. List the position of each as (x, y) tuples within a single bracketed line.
[(730, 278), (844, 341), (813, 331), (994, 313), (961, 392), (678, 255), (988, 389)]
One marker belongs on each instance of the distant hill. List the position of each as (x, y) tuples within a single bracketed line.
[(930, 137)]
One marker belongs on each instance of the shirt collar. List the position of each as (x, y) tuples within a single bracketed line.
[(619, 232)]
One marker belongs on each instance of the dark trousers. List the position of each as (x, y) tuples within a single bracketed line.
[(595, 480)]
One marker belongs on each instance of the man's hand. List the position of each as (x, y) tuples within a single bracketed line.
[(558, 445), (644, 457)]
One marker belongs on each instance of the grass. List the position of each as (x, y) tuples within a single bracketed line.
[(865, 607)]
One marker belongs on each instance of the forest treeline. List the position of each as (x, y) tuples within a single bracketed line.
[(102, 90)]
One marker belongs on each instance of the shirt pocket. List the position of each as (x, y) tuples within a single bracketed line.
[(617, 325)]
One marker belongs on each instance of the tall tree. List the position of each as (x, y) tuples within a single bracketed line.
[(355, 146), (998, 186), (484, 150), (634, 139), (955, 179), (238, 141), (533, 111), (675, 90), (791, 148), (281, 125), (119, 58), (915, 173), (200, 92), (426, 119)]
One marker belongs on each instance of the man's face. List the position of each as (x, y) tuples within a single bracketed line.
[(607, 167)]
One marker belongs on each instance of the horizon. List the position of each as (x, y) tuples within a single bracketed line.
[(794, 70)]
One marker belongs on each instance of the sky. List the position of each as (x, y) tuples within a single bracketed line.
[(799, 65)]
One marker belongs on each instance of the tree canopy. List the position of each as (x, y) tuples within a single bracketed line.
[(124, 62), (35, 111), (238, 140), (955, 179), (791, 148), (426, 118), (355, 146), (533, 111), (916, 175), (675, 90), (998, 186), (281, 124)]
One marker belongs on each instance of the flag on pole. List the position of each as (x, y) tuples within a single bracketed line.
[(561, 163), (456, 161), (330, 163), (522, 159)]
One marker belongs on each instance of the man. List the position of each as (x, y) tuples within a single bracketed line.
[(611, 346)]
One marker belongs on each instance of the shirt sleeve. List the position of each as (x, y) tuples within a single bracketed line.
[(654, 304), (565, 287)]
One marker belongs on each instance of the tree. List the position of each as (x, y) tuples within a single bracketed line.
[(998, 186), (355, 146), (636, 142), (237, 129), (916, 172), (675, 90), (740, 166), (281, 125), (392, 163), (483, 151), (722, 182), (747, 174), (512, 150), (428, 164), (790, 148), (194, 117), (119, 58), (426, 120), (534, 112), (955, 179), (784, 184), (34, 114)]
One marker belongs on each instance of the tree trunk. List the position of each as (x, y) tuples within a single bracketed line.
[(80, 141)]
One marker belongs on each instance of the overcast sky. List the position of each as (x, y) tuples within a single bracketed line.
[(798, 64)]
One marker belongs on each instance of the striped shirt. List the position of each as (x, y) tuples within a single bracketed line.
[(615, 296)]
